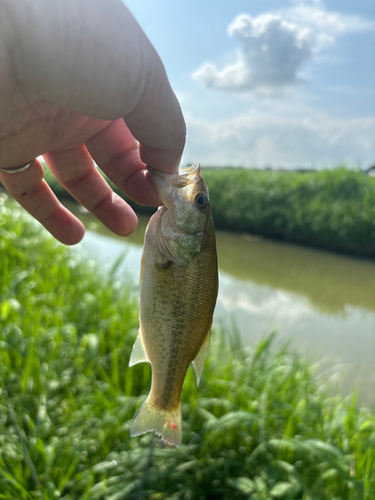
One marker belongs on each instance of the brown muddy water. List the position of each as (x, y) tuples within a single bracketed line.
[(324, 303)]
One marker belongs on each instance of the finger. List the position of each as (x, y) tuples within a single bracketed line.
[(75, 170), (157, 122), (116, 152), (34, 195), (111, 72)]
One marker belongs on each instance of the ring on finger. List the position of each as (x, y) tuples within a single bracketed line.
[(16, 170)]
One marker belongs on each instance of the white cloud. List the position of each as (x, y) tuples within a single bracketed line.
[(273, 51), (268, 138), (326, 23), (276, 46)]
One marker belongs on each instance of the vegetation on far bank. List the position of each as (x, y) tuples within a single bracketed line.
[(259, 426), (330, 209)]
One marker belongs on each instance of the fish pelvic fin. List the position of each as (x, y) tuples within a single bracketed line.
[(200, 360), (138, 354), (166, 423)]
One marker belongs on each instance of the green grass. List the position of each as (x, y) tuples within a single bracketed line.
[(330, 209), (259, 426)]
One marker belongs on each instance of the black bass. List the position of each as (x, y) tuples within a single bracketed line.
[(178, 290)]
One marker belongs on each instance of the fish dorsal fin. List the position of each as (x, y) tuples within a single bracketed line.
[(199, 361), (139, 354)]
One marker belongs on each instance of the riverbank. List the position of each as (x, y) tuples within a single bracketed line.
[(259, 423), (330, 209)]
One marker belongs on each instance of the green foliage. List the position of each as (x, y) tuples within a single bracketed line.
[(332, 209), (258, 427)]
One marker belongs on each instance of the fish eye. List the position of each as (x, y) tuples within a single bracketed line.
[(201, 201)]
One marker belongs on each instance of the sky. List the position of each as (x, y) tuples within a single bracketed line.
[(266, 83)]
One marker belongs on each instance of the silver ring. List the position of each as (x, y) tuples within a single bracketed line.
[(16, 170)]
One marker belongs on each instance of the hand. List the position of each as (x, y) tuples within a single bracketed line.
[(80, 82)]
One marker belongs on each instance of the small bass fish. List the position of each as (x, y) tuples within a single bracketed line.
[(178, 290)]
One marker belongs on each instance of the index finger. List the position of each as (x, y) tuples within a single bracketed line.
[(116, 152)]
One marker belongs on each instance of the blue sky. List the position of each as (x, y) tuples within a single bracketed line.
[(270, 83)]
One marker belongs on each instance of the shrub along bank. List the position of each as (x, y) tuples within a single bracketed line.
[(259, 426), (330, 209)]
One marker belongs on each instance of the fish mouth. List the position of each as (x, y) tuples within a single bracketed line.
[(190, 174), (169, 187)]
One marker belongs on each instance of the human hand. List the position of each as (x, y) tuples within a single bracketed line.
[(80, 82)]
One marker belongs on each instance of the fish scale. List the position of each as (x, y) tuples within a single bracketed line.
[(178, 290)]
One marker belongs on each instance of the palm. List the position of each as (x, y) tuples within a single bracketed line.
[(43, 127)]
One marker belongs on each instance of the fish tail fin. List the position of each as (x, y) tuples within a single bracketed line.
[(165, 423)]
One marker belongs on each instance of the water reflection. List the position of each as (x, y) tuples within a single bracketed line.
[(343, 344), (330, 282)]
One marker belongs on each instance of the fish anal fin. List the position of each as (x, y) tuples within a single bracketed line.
[(139, 354), (166, 423), (200, 359)]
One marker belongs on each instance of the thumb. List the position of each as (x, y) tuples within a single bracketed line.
[(92, 57)]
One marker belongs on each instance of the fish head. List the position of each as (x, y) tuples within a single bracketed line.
[(182, 228)]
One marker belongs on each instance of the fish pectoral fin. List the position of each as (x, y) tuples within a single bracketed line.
[(139, 354), (166, 423), (200, 360)]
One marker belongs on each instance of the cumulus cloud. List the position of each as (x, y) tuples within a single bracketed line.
[(275, 46), (330, 24), (265, 138), (272, 52)]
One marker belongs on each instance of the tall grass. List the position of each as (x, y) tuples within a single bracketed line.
[(333, 209), (259, 426)]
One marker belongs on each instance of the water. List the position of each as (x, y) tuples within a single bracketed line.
[(323, 302)]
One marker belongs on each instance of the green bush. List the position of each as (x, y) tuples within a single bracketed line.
[(330, 209), (259, 426)]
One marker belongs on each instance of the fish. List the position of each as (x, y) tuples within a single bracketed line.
[(178, 291)]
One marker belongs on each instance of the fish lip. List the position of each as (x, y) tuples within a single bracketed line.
[(161, 184), (169, 186), (192, 173)]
